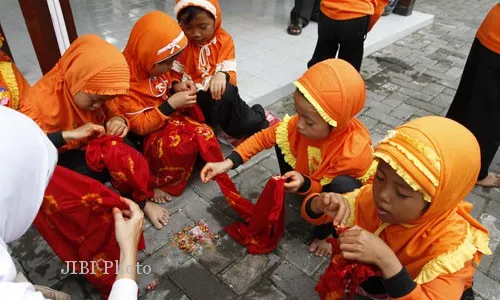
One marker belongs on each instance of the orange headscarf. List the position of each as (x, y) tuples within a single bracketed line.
[(155, 37), (439, 158), (90, 65), (337, 91)]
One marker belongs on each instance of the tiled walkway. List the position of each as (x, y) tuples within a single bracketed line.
[(414, 77)]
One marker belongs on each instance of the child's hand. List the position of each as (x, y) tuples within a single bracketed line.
[(84, 131), (117, 126), (182, 99), (211, 170), (334, 205), (294, 181), (185, 87), (218, 85), (363, 246)]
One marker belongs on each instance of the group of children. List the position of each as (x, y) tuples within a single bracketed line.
[(403, 199)]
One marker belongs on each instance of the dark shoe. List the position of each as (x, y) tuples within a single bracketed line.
[(295, 28)]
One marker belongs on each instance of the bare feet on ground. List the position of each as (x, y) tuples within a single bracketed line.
[(156, 214), (321, 247), (161, 196), (492, 180)]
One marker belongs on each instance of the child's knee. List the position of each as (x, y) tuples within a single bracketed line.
[(342, 184)]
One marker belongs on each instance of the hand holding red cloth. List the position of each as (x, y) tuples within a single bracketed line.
[(343, 275)]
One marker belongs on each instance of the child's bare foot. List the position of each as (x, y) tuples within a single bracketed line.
[(492, 180), (321, 247), (160, 196), (156, 214)]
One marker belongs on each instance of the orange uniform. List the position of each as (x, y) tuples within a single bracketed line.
[(440, 159), (489, 31), (337, 92), (350, 9), (13, 85), (199, 63), (81, 69), (155, 37)]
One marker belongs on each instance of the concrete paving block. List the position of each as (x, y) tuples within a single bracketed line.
[(296, 252), (179, 202), (201, 210), (293, 282), (271, 163), (264, 291), (248, 181), (48, 273), (424, 105), (166, 290), (155, 239), (199, 284), (242, 274), (485, 287), (491, 223), (31, 249), (72, 286), (488, 193), (478, 203), (216, 258)]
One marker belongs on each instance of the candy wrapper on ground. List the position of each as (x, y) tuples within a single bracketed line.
[(191, 238), (343, 275), (127, 167)]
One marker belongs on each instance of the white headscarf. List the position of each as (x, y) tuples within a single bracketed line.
[(27, 160)]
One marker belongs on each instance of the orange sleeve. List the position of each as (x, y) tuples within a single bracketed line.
[(258, 142), (315, 186), (323, 219), (146, 122), (226, 60), (447, 286), (379, 6)]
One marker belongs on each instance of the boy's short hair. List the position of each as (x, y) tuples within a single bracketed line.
[(187, 14)]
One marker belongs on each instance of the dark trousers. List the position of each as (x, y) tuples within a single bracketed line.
[(477, 102), (345, 36), (305, 10), (340, 185), (231, 113)]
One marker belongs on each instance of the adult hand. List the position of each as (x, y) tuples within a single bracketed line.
[(128, 224), (295, 180), (211, 170), (218, 85), (117, 126)]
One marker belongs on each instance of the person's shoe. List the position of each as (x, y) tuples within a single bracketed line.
[(228, 140), (390, 7)]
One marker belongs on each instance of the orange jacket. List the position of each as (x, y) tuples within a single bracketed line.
[(13, 85), (489, 31), (350, 9)]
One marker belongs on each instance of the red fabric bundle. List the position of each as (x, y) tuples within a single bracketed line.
[(128, 169), (342, 274), (266, 223), (76, 220)]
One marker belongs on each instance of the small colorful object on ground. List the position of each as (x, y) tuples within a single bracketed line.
[(343, 275), (191, 238)]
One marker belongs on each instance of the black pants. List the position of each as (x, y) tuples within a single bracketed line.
[(305, 10), (340, 184), (345, 36), (233, 115), (477, 102)]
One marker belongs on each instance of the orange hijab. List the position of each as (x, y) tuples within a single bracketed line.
[(439, 158), (337, 91), (90, 65), (155, 37)]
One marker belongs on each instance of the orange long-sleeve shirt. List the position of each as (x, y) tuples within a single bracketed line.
[(350, 9), (489, 31)]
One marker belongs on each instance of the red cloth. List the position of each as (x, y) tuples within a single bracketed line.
[(342, 274), (76, 220), (128, 168), (266, 224)]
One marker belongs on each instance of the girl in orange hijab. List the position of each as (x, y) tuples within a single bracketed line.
[(412, 222), (321, 148), (70, 103)]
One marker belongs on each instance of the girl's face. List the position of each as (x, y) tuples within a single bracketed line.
[(162, 67), (200, 29), (89, 101), (310, 123), (396, 202)]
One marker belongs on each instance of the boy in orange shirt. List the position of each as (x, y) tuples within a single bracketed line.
[(342, 27), (477, 102), (209, 62)]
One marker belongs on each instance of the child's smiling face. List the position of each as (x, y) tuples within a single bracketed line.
[(396, 202), (200, 28), (310, 123)]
